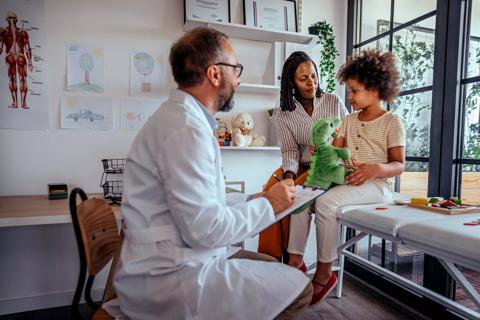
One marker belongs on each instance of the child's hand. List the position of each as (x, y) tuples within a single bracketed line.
[(312, 149), (362, 173)]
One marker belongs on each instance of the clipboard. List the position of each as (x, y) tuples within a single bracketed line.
[(305, 196)]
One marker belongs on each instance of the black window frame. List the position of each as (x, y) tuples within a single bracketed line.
[(452, 34)]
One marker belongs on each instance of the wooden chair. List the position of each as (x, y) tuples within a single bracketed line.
[(98, 242), (274, 239)]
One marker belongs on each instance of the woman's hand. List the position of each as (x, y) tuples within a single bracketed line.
[(362, 173), (312, 149)]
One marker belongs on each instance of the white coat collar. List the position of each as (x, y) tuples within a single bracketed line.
[(187, 99)]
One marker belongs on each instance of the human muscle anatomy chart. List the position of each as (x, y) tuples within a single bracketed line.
[(23, 88)]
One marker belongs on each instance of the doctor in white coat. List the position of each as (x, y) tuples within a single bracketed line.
[(176, 260)]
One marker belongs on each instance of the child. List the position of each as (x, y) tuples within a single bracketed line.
[(376, 139)]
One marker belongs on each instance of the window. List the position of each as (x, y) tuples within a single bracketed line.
[(411, 37), (439, 103), (469, 147)]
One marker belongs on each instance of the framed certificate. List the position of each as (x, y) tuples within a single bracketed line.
[(208, 10), (271, 14)]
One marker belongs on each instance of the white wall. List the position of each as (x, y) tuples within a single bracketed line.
[(31, 159), (335, 13), (38, 264)]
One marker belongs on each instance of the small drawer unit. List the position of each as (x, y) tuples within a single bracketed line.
[(57, 191)]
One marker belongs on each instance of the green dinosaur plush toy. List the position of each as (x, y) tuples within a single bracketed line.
[(325, 169)]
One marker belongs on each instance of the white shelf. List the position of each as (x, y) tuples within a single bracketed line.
[(258, 88), (251, 148), (241, 31)]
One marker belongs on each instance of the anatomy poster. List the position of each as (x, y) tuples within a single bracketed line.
[(86, 112), (146, 73), (23, 66), (134, 113), (85, 68)]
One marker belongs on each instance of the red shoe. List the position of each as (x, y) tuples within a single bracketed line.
[(303, 267), (319, 297)]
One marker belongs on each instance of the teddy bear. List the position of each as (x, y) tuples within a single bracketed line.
[(325, 170), (242, 133)]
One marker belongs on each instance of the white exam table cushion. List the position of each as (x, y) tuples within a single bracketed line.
[(447, 237), (385, 222)]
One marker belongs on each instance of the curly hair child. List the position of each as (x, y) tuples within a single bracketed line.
[(376, 139)]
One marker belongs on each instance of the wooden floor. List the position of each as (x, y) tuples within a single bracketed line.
[(357, 303)]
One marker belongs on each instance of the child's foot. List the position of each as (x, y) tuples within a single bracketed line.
[(322, 289)]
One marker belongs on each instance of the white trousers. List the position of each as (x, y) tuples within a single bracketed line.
[(326, 206)]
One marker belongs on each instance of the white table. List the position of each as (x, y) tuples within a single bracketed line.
[(439, 235)]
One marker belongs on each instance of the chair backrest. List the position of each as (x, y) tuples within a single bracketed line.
[(99, 233), (97, 239)]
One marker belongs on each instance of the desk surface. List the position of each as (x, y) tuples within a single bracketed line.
[(37, 210)]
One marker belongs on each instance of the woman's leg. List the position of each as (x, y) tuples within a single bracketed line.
[(299, 230), (326, 208)]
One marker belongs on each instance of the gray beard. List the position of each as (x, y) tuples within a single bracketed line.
[(228, 105)]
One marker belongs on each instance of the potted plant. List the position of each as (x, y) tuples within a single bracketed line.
[(326, 65)]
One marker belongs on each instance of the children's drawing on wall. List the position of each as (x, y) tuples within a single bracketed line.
[(146, 73), (23, 78), (85, 68), (80, 112), (134, 113)]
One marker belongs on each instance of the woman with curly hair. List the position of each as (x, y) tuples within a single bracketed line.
[(302, 103), (376, 139)]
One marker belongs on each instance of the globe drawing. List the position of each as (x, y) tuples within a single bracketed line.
[(144, 63)]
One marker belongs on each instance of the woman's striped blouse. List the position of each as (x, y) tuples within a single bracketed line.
[(294, 128)]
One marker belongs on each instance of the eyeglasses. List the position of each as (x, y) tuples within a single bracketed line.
[(238, 67)]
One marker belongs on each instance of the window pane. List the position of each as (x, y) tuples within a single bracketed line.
[(473, 66), (415, 111), (414, 181), (470, 192), (372, 12), (406, 10), (381, 44), (471, 136), (414, 52)]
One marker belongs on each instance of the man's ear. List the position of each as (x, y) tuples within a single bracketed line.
[(214, 75)]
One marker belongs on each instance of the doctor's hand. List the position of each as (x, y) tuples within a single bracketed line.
[(281, 195)]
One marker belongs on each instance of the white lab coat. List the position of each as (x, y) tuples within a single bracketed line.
[(174, 262)]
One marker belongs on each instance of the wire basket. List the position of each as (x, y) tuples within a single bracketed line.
[(112, 179), (113, 166), (113, 191)]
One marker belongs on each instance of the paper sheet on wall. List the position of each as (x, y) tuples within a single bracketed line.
[(134, 113), (23, 65), (85, 68), (304, 197), (146, 73), (80, 112)]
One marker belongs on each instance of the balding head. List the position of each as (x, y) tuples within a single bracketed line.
[(193, 53), (11, 16)]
